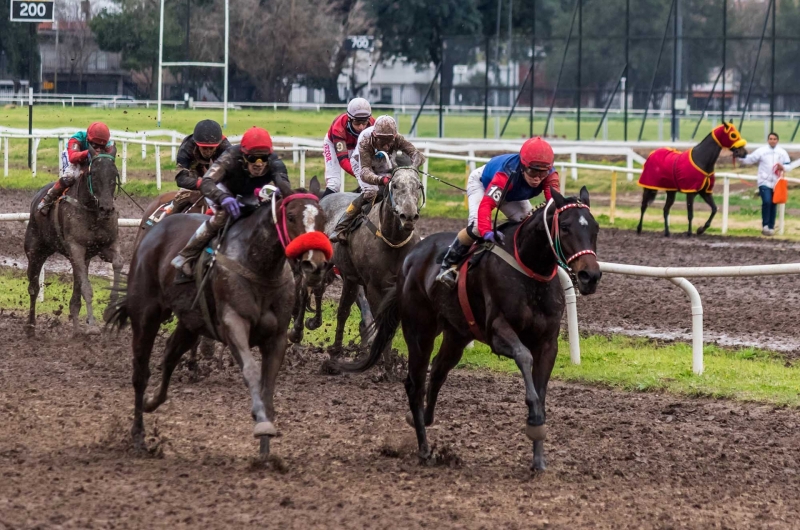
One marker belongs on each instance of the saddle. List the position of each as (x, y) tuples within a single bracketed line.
[(184, 200)]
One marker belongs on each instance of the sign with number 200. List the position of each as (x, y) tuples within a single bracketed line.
[(32, 10)]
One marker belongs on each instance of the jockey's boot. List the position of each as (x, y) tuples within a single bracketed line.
[(449, 271), (339, 234), (184, 261), (50, 197)]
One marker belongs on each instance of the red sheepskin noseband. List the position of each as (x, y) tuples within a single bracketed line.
[(309, 241)]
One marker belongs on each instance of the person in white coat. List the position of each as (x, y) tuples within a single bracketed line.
[(771, 160)]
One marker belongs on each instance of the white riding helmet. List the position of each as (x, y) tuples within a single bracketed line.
[(359, 108)]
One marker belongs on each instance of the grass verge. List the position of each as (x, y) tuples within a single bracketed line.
[(632, 364)]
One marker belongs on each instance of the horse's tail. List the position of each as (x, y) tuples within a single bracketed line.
[(386, 322), (116, 315)]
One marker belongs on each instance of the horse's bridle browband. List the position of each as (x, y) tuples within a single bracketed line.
[(555, 243)]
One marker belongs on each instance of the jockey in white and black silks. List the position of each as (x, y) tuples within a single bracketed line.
[(76, 158), (371, 171), (340, 142), (241, 170), (523, 176)]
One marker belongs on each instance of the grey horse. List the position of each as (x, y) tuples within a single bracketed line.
[(80, 226), (378, 246)]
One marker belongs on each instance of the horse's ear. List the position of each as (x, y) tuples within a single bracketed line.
[(314, 187), (584, 196), (557, 197), (284, 187)]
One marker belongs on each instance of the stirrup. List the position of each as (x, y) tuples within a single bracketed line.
[(448, 276)]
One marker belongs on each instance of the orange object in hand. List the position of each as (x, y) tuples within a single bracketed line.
[(781, 192)]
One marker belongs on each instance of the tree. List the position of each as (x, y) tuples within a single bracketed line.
[(17, 44), (131, 27), (274, 44), (415, 30)]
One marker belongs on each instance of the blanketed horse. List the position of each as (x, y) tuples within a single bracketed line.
[(690, 172), (247, 300), (82, 224), (378, 246), (508, 300)]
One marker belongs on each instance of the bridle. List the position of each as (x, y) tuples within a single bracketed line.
[(89, 177), (555, 243), (279, 212)]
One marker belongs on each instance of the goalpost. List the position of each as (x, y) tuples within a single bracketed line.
[(223, 65)]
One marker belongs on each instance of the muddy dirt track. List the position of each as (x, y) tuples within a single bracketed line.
[(346, 459)]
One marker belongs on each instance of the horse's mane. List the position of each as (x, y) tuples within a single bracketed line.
[(536, 212)]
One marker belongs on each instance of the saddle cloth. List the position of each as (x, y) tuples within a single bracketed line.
[(671, 170)]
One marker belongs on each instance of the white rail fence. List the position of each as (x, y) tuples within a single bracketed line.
[(676, 275), (464, 151)]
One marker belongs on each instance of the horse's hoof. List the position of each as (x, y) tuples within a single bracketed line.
[(425, 455), (701, 231), (151, 404), (410, 420), (313, 323), (30, 331), (264, 428), (92, 330), (538, 464), (295, 336), (536, 433), (666, 234)]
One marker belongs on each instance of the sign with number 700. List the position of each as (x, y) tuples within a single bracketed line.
[(32, 10)]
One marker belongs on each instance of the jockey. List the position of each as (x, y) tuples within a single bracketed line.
[(76, 159), (340, 141), (525, 176), (371, 169), (198, 151), (241, 170)]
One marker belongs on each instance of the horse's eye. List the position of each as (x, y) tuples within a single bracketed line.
[(290, 217), (566, 228)]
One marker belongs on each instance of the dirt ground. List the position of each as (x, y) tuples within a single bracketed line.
[(346, 458)]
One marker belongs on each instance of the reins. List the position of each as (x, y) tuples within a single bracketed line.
[(554, 240)]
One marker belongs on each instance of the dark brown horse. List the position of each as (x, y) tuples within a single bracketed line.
[(517, 308), (699, 163), (248, 300), (82, 224)]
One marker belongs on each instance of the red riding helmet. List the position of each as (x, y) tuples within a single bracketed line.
[(536, 153), (98, 133), (256, 141)]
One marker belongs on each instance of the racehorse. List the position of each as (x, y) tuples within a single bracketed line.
[(82, 224), (190, 201), (377, 246), (246, 301), (690, 172), (507, 300)]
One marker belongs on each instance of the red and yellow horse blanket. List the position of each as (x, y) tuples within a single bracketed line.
[(671, 170)]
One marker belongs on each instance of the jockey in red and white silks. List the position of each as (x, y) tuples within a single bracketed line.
[(341, 140)]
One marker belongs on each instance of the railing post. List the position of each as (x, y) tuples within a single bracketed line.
[(629, 164), (124, 176), (697, 322), (781, 214), (562, 179), (144, 147), (34, 156), (726, 195), (5, 156), (174, 151), (573, 158), (472, 163), (302, 168), (158, 167), (427, 160), (613, 205), (295, 156), (40, 298), (572, 316)]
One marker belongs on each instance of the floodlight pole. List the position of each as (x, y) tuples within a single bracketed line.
[(225, 81), (160, 58)]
